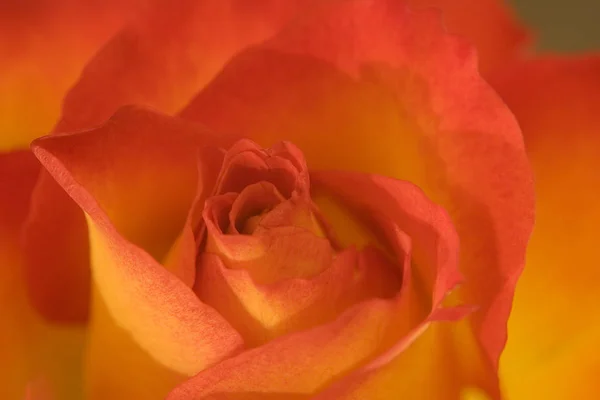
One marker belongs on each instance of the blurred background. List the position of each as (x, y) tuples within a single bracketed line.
[(562, 25)]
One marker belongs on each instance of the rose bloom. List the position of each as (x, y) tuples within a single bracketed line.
[(282, 199)]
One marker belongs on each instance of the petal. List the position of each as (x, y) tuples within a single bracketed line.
[(554, 339), (43, 47), (142, 171), (363, 85), (297, 365), (495, 32), (168, 53), (263, 312), (435, 246), (115, 174), (408, 374)]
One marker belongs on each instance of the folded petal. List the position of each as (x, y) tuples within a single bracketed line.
[(554, 340), (365, 85), (135, 178), (44, 46), (167, 53), (490, 25), (143, 173)]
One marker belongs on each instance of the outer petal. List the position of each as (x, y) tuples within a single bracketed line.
[(365, 85), (44, 45), (150, 160), (169, 52), (294, 366), (489, 24), (553, 350), (124, 165)]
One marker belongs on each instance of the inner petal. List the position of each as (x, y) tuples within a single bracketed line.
[(246, 164), (253, 202)]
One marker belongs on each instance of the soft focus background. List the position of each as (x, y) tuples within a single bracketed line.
[(562, 25)]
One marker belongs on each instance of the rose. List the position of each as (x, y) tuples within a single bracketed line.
[(132, 230), (372, 86)]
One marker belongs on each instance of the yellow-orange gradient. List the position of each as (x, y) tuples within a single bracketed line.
[(150, 160), (553, 350)]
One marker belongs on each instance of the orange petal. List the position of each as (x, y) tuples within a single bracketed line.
[(43, 47), (56, 254), (490, 25), (263, 312), (434, 243), (142, 171), (167, 54), (367, 86), (138, 172), (554, 329), (304, 363), (407, 373)]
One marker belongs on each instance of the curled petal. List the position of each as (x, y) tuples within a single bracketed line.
[(275, 250), (140, 294)]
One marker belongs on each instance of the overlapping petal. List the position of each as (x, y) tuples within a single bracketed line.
[(135, 177), (554, 326), (167, 53), (351, 80)]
